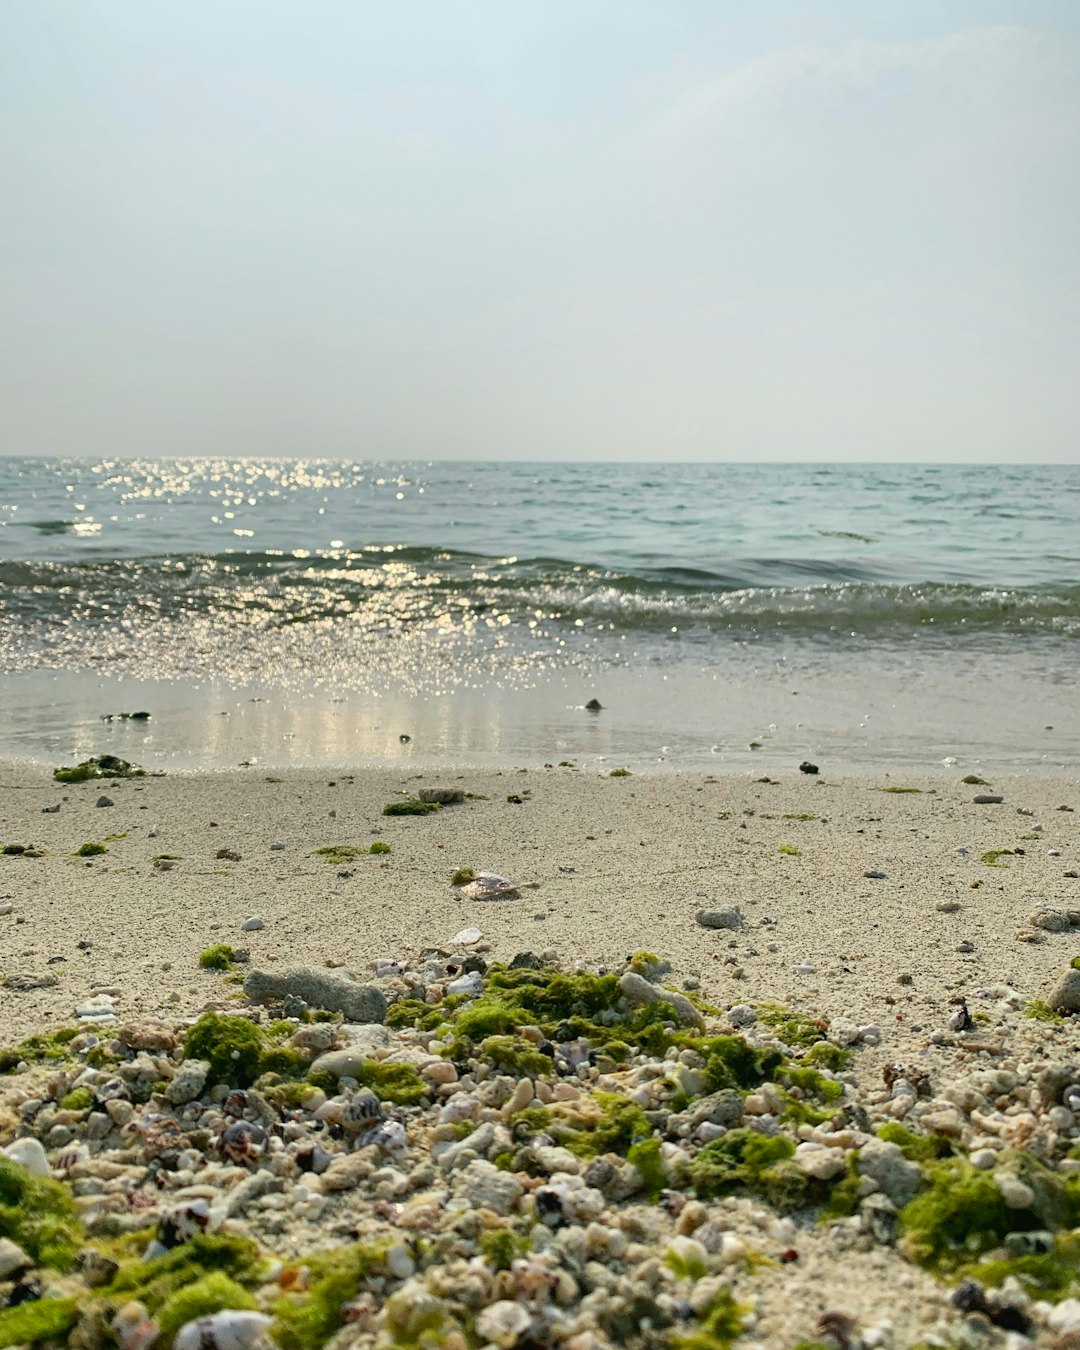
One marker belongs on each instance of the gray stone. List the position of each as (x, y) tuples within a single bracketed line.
[(987, 799), (722, 1108), (12, 1259), (444, 796), (104, 801), (1067, 993), (188, 1081), (319, 989), (719, 918), (636, 989), (346, 1063), (487, 1188), (1052, 920), (886, 1165)]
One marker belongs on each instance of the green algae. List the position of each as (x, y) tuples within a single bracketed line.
[(90, 850), (790, 850), (39, 1048), (920, 1148), (515, 1054), (99, 766), (413, 1012), (718, 1329), (218, 957), (530, 1120), (991, 856), (411, 806), (347, 853), (306, 1322), (846, 1194), (288, 1096), (284, 1060), (40, 1215), (827, 1055), (973, 780), (647, 1157), (1045, 1275), (80, 1099), (794, 1029), (212, 1293), (961, 1213), (160, 1279), (501, 1247), (462, 876), (44, 1319), (799, 815), (898, 789), (686, 1267), (396, 1083), (622, 1124), (620, 773), (744, 1159), (732, 1062), (233, 1047)]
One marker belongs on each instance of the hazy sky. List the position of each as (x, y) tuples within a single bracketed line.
[(605, 229)]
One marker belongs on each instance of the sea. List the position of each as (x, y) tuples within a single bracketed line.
[(728, 617)]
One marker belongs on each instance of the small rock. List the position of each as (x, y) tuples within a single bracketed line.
[(1067, 994), (468, 937), (895, 1176), (1052, 920), (875, 876), (155, 1037), (335, 993), (488, 1188), (24, 984), (637, 989), (12, 1259), (227, 855), (104, 801), (593, 705), (987, 799), (50, 810), (29, 1154), (1015, 1193), (719, 918), (444, 796), (253, 924), (188, 1081), (807, 767)]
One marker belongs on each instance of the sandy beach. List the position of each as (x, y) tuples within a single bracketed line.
[(619, 864)]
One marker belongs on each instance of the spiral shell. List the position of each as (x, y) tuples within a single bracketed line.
[(230, 1330), (243, 1142)]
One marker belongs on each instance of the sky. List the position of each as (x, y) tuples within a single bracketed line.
[(577, 229)]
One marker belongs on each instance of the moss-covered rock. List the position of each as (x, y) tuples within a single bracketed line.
[(40, 1215), (98, 766)]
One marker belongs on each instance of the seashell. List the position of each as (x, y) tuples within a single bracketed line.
[(488, 886), (388, 1136), (183, 1222), (503, 1323), (114, 1090), (243, 1142), (229, 1330), (468, 937), (235, 1104), (384, 968), (363, 1108), (133, 1328), (71, 1155)]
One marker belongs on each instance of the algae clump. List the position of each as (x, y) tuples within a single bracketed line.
[(790, 850), (232, 1046), (213, 1293), (80, 1099), (991, 856), (411, 806), (622, 1124), (747, 1160), (45, 1319), (347, 853), (619, 773), (40, 1215), (396, 1083), (973, 780), (218, 957), (90, 850), (334, 1277), (717, 1330), (98, 766), (646, 1156), (463, 876), (36, 1049)]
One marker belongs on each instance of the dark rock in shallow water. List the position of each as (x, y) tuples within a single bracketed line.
[(594, 705), (807, 767)]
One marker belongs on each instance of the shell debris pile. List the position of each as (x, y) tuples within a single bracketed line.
[(527, 1155)]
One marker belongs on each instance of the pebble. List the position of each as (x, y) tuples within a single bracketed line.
[(987, 799), (719, 918), (104, 801), (875, 876), (188, 1081), (29, 1153), (252, 924)]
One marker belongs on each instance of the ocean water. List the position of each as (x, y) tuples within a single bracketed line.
[(917, 613)]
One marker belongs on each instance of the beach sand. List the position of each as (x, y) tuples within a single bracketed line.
[(620, 864)]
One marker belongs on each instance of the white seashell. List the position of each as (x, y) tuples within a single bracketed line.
[(468, 937), (388, 1136), (500, 1324), (230, 1330), (488, 886), (466, 984), (28, 1153)]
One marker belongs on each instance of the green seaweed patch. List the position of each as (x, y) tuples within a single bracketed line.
[(973, 780), (98, 766), (790, 850), (411, 806), (686, 1267), (502, 1247), (462, 876), (79, 1099), (793, 1028), (991, 856), (620, 773), (1044, 1275), (897, 790), (307, 1321), (90, 850), (44, 1319), (962, 1214), (233, 1047), (746, 1160), (846, 1194), (827, 1055), (40, 1215), (515, 1054), (647, 1156), (718, 1329), (413, 1012), (396, 1083), (161, 1279), (920, 1148), (621, 1124), (212, 1293), (39, 1048), (347, 853), (218, 957), (799, 815), (1041, 1011)]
